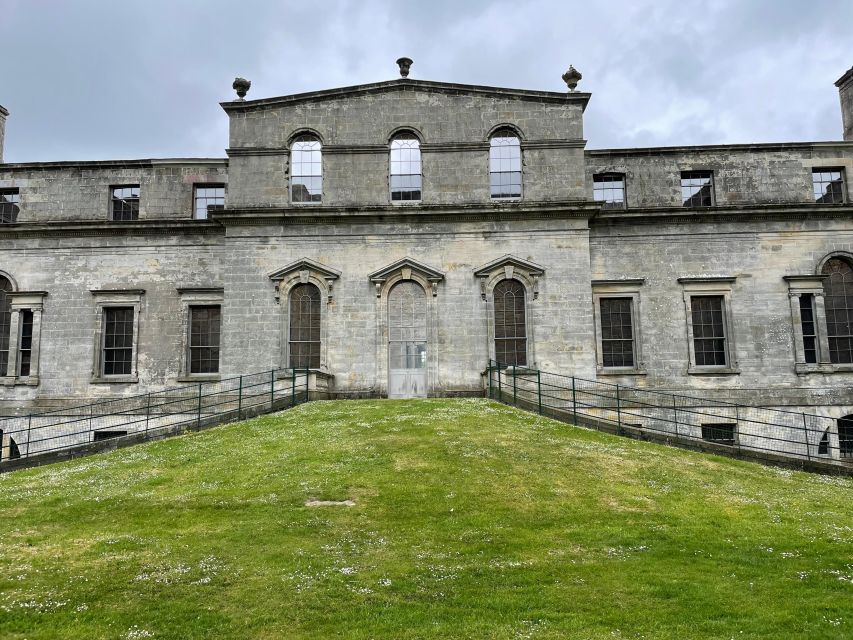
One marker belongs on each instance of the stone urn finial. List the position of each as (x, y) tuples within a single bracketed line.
[(405, 64), (241, 86), (572, 77)]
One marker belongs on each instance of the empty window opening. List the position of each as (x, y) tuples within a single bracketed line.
[(505, 164), (306, 170), (697, 188), (406, 176), (823, 446), (838, 301), (107, 435), (125, 202), (845, 436), (828, 185), (609, 189), (10, 205)]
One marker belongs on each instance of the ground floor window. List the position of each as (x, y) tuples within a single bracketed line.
[(304, 338), (205, 323), (510, 323)]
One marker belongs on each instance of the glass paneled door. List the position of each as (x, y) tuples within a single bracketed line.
[(407, 341)]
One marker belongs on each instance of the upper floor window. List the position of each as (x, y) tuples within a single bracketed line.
[(609, 189), (697, 188), (838, 301), (207, 198), (306, 170), (828, 185), (505, 164), (406, 177), (10, 201), (125, 202)]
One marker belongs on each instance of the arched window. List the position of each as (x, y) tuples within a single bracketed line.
[(306, 170), (304, 343), (505, 164), (510, 324), (838, 289), (405, 175), (5, 323)]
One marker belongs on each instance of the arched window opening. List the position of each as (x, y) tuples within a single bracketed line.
[(304, 342), (505, 164), (823, 446), (510, 323), (306, 170), (406, 177), (845, 436), (838, 289), (5, 323)]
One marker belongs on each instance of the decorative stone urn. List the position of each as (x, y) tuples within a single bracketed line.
[(241, 86), (572, 77), (405, 64)]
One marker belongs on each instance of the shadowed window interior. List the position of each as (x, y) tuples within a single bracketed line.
[(304, 326), (5, 323), (823, 445), (845, 436), (125, 202), (609, 189), (722, 433), (828, 185), (118, 341), (808, 325), (505, 164), (617, 335), (25, 348), (510, 323), (205, 323), (306, 170), (406, 176), (207, 198), (407, 326), (709, 338), (10, 202), (107, 435), (838, 301), (697, 188)]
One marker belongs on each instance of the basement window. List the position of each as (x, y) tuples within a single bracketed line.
[(721, 433), (108, 435)]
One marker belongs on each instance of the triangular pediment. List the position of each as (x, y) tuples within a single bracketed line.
[(531, 268), (425, 271), (306, 264), (408, 84)]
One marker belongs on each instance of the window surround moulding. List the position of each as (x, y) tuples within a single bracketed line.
[(24, 301), (115, 298), (619, 288), (303, 271), (404, 269), (190, 297), (710, 286)]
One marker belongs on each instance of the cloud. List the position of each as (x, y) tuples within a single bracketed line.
[(97, 80)]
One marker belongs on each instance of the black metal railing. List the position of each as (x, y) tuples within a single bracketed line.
[(725, 426), (140, 416)]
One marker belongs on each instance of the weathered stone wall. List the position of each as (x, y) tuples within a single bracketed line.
[(355, 132), (845, 93), (743, 174), (64, 192)]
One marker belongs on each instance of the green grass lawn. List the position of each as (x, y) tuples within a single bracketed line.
[(471, 520)]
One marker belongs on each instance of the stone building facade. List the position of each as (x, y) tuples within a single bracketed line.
[(394, 237)]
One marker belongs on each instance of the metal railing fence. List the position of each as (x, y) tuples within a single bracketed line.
[(725, 426), (190, 406)]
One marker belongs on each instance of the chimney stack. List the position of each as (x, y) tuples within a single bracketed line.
[(845, 92), (3, 114)]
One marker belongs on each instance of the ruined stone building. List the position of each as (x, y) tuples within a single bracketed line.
[(394, 237)]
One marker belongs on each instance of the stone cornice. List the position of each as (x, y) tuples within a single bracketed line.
[(88, 228), (407, 84), (848, 76), (3, 111), (149, 163), (757, 147), (744, 213), (426, 147), (405, 213)]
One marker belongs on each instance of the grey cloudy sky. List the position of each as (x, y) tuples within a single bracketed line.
[(119, 79)]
